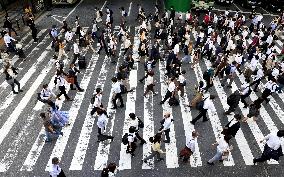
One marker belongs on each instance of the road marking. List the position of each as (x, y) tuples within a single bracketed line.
[(195, 158), (222, 10), (240, 138), (103, 149), (265, 10), (103, 5), (61, 142), (171, 149), (86, 131), (72, 11), (129, 9), (5, 129), (237, 7), (214, 119)]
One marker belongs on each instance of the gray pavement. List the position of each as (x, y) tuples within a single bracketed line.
[(25, 140)]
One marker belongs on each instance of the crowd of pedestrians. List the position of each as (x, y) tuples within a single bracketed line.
[(219, 38)]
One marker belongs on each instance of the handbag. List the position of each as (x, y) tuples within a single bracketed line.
[(140, 123), (173, 101), (70, 79)]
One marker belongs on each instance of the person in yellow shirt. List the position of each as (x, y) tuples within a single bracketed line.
[(156, 148)]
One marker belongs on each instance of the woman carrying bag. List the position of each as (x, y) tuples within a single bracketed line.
[(55, 170), (156, 148), (189, 148), (198, 95)]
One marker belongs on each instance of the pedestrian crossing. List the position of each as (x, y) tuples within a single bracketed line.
[(79, 138)]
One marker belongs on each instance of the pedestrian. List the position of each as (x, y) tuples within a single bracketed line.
[(272, 148), (150, 83), (112, 169), (73, 71), (245, 92), (9, 25), (156, 148), (181, 82), (230, 72), (165, 126), (50, 129), (254, 109), (189, 148), (131, 145), (223, 150), (60, 118), (231, 128), (9, 42), (199, 90), (257, 78), (269, 88), (233, 102), (101, 123), (10, 76), (46, 95), (61, 51), (76, 52), (60, 81), (96, 101), (208, 77), (116, 93), (137, 123), (170, 91), (207, 105), (55, 170)]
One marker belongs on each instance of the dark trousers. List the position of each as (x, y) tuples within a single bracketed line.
[(140, 138), (102, 137), (76, 56), (117, 96), (232, 108), (256, 82), (265, 94), (167, 134), (34, 34), (149, 88), (11, 47), (202, 113), (263, 157), (75, 83), (13, 84), (167, 96), (12, 29), (63, 91), (243, 97)]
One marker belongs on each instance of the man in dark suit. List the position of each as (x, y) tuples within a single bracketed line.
[(232, 127)]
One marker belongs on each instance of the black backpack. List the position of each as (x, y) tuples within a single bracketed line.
[(125, 139), (140, 123), (104, 172), (206, 75)]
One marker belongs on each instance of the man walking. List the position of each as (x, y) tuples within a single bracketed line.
[(116, 93), (10, 76), (59, 79), (170, 91), (73, 73), (233, 102), (165, 126)]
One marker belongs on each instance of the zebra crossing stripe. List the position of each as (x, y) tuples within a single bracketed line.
[(264, 115), (195, 159), (240, 138), (73, 112), (86, 131), (171, 149), (125, 159), (17, 111), (215, 121), (103, 150)]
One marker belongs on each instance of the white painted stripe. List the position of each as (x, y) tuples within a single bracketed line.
[(17, 111), (36, 149), (265, 117), (29, 73), (73, 112), (8, 99), (215, 121), (129, 9), (171, 149), (125, 159), (86, 131), (195, 159), (240, 138), (103, 5), (26, 46), (103, 149)]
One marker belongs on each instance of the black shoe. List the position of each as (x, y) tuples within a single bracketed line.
[(15, 92), (161, 102), (111, 139), (204, 120), (145, 161), (160, 159), (140, 81), (254, 161), (61, 133), (122, 105), (229, 86), (222, 85), (255, 90), (72, 89), (20, 90), (143, 142), (221, 160), (210, 163), (193, 123), (81, 90), (166, 141)]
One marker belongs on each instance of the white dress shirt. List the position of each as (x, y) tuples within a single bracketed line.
[(101, 123), (222, 145), (181, 78), (68, 36), (149, 80), (131, 137), (134, 123), (176, 49), (273, 141), (191, 144), (46, 93), (167, 123), (60, 81), (76, 48), (54, 170), (208, 105), (244, 88), (98, 100), (8, 39), (171, 87), (116, 87)]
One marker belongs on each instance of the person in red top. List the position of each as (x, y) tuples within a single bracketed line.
[(206, 19)]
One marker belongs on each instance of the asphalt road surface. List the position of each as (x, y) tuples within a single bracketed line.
[(24, 153)]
